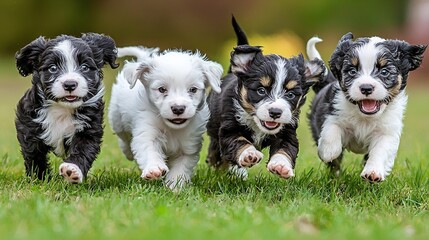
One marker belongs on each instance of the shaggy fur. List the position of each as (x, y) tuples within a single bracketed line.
[(63, 110), (361, 109), (259, 107), (159, 113)]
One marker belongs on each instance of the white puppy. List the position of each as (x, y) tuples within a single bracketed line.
[(159, 112)]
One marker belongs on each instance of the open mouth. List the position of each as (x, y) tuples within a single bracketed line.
[(70, 98), (178, 121), (270, 125), (369, 106)]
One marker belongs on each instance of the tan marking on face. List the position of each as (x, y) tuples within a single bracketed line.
[(382, 62), (355, 61), (265, 81), (244, 102), (395, 91), (291, 84)]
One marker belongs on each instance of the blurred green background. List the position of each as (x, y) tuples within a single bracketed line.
[(205, 25)]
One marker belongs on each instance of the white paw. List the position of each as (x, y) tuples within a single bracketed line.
[(249, 157), (373, 175), (155, 171), (240, 172), (280, 165), (329, 150), (177, 182), (71, 172)]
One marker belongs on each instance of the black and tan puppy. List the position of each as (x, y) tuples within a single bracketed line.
[(259, 107), (63, 110)]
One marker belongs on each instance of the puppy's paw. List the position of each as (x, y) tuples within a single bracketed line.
[(329, 150), (240, 172), (372, 175), (249, 157), (154, 172), (280, 165), (177, 183), (71, 172)]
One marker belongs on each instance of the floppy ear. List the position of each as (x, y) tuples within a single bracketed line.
[(103, 47), (410, 56), (337, 58), (139, 74), (312, 71), (28, 57), (242, 57), (212, 72)]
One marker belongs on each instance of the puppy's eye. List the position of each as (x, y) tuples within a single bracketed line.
[(290, 95), (384, 73), (352, 72), (53, 69), (162, 89), (261, 91), (193, 90), (84, 68)]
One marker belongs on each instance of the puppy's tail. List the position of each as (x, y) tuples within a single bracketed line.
[(139, 52), (241, 35), (327, 77)]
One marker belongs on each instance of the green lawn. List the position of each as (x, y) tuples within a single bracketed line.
[(115, 203)]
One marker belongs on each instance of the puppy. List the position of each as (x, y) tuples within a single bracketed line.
[(361, 109), (259, 107), (159, 113), (63, 110)]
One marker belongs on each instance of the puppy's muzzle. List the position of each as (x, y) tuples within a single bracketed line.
[(178, 109)]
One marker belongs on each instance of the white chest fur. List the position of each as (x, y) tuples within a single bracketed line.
[(59, 124)]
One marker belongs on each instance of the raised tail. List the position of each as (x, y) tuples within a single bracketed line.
[(139, 52), (241, 35), (312, 53)]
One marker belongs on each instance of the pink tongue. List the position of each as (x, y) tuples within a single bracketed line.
[(271, 124), (369, 105)]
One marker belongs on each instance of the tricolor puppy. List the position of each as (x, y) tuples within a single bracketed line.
[(159, 113), (63, 110), (362, 111), (259, 107)]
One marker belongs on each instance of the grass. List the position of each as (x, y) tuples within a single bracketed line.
[(114, 203)]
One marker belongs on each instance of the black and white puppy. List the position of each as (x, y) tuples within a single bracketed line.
[(362, 111), (259, 107), (63, 110)]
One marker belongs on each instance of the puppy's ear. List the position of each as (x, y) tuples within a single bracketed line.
[(337, 58), (242, 57), (28, 57), (135, 75), (410, 56), (212, 72), (103, 47), (312, 71)]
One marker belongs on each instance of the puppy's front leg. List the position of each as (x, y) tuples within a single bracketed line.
[(381, 157), (330, 144), (83, 151), (283, 152), (147, 150), (238, 149), (181, 170)]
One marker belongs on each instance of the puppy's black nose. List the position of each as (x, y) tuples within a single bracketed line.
[(366, 89), (178, 109), (275, 112), (69, 85)]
